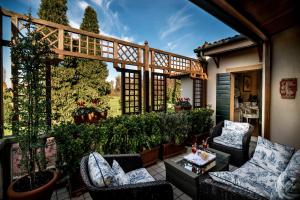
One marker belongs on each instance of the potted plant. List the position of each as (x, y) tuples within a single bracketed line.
[(151, 138), (30, 54), (175, 128), (182, 104), (92, 113)]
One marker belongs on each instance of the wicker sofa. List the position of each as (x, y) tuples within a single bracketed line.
[(238, 156), (154, 190)]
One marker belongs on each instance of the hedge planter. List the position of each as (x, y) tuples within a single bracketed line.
[(168, 150), (180, 108), (150, 156), (44, 192), (196, 138)]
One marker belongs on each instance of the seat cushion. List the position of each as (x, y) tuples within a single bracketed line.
[(139, 176), (248, 177), (239, 127), (119, 178), (230, 138), (99, 170), (288, 183), (272, 156)]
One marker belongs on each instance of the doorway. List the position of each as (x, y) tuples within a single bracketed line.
[(246, 98)]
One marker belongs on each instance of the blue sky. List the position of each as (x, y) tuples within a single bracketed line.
[(177, 26)]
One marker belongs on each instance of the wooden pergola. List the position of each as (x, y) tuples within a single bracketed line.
[(68, 41)]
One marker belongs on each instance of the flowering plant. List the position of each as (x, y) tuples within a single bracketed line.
[(183, 102)]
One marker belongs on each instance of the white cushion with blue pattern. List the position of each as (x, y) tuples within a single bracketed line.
[(239, 127), (288, 183), (120, 178), (272, 156), (99, 170), (230, 138), (139, 176), (249, 177)]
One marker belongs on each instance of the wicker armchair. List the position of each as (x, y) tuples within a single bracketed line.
[(146, 191), (238, 156), (211, 190)]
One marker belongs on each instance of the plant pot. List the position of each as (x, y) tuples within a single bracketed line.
[(196, 138), (42, 193), (77, 186), (180, 108), (168, 150), (150, 156)]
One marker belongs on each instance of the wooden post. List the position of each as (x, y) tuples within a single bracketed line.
[(267, 93), (1, 79), (146, 78), (123, 90), (61, 42)]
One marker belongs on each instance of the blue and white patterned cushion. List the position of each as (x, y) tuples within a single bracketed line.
[(120, 178), (249, 177), (239, 127), (139, 176), (272, 156), (99, 170), (230, 138), (288, 183)]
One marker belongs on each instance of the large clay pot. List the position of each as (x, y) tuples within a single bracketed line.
[(168, 150), (42, 193), (150, 156)]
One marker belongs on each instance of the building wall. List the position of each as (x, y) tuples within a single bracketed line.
[(285, 113), (187, 88), (236, 59)]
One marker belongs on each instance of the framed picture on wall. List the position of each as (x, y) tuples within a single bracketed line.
[(247, 84)]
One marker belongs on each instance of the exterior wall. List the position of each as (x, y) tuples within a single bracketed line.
[(187, 88), (239, 58), (285, 113)]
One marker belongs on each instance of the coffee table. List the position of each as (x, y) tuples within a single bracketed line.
[(186, 178)]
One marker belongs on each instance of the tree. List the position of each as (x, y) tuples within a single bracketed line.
[(90, 21), (118, 85), (54, 11)]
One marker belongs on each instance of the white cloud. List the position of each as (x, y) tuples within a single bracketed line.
[(74, 24), (173, 44), (83, 4), (97, 1), (176, 22)]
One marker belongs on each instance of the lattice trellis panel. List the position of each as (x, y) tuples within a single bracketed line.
[(160, 59), (180, 63), (198, 93), (158, 92), (131, 91), (127, 53)]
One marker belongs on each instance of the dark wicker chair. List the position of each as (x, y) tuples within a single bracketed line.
[(211, 190), (145, 191), (238, 156)]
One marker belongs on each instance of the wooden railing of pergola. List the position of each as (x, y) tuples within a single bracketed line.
[(68, 41)]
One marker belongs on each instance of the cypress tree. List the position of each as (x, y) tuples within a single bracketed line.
[(54, 11), (90, 21)]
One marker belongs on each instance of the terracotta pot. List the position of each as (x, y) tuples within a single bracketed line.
[(42, 193), (177, 108), (168, 150), (196, 138), (150, 156)]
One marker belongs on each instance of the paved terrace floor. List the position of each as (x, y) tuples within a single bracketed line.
[(157, 171)]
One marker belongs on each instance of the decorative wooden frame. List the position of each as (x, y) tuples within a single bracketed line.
[(131, 91), (247, 83), (158, 92), (288, 88)]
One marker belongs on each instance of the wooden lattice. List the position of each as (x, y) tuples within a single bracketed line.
[(161, 59), (180, 63), (198, 93), (158, 92), (127, 53), (131, 91)]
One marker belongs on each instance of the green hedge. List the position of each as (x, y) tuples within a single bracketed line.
[(127, 134)]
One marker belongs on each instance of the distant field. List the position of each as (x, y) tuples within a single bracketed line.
[(115, 106)]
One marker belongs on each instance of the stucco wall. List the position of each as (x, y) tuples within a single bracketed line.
[(187, 88), (285, 113), (236, 59)]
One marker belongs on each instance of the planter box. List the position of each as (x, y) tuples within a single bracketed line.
[(93, 117), (179, 108), (196, 138), (150, 156), (168, 150)]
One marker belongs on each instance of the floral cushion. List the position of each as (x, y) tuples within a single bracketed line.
[(139, 176), (249, 177), (120, 178), (230, 138), (272, 156), (239, 127), (99, 170), (288, 183)]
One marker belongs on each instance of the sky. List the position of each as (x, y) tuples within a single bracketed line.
[(177, 26)]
